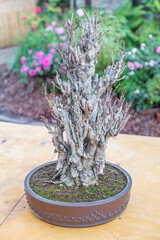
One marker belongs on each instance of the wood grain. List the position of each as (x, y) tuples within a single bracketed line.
[(11, 23), (28, 146)]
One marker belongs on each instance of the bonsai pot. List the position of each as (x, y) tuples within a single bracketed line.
[(84, 214)]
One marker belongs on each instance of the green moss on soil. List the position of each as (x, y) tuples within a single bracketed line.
[(109, 184)]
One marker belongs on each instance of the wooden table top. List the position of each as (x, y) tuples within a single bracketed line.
[(23, 147)]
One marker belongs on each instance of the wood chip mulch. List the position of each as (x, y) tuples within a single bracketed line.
[(27, 100)]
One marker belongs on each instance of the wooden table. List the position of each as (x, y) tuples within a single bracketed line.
[(23, 147)]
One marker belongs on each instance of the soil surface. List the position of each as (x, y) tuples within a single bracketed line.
[(28, 101), (109, 184)]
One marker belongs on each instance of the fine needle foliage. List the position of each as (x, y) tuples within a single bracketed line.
[(91, 114)]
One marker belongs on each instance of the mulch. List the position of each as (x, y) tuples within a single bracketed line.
[(27, 100)]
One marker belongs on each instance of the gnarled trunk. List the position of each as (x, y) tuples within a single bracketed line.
[(81, 170)]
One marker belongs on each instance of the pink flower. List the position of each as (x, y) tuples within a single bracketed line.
[(80, 12), (46, 5), (48, 45), (41, 62), (32, 72), (137, 65), (150, 36), (158, 49), (63, 71), (29, 51), (38, 69), (54, 45), (52, 50), (54, 23), (25, 18), (50, 56), (23, 59), (63, 45), (59, 30), (37, 10), (24, 68), (33, 30), (34, 25), (49, 28), (46, 63), (46, 34), (130, 65), (39, 55), (45, 66), (66, 9), (36, 64), (56, 59), (58, 7)]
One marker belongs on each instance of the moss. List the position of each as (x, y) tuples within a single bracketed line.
[(111, 183)]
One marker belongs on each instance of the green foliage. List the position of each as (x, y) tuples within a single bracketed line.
[(118, 30), (133, 15), (62, 3), (43, 38), (153, 6), (118, 27), (128, 23), (142, 76), (153, 87)]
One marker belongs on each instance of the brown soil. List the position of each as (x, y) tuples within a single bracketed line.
[(110, 184), (21, 98), (27, 100)]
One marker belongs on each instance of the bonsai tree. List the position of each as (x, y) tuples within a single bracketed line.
[(91, 115)]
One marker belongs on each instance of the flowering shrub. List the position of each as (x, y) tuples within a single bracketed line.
[(143, 75), (37, 56)]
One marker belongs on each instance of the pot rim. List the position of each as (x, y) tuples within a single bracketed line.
[(45, 200)]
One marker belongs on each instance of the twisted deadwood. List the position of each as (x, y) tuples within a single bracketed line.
[(91, 116)]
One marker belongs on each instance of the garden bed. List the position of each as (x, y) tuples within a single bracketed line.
[(27, 100)]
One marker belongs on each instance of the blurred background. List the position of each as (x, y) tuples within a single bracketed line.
[(29, 33)]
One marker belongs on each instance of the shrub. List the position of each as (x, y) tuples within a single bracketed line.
[(45, 22), (37, 56), (142, 77), (153, 87), (48, 21)]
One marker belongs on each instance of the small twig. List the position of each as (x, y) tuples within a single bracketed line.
[(57, 174), (56, 182)]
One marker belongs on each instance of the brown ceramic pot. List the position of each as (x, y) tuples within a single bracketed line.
[(84, 214)]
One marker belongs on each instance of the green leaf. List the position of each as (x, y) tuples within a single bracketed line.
[(23, 80), (157, 3)]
